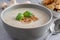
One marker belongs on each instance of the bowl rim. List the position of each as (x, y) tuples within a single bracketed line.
[(26, 4)]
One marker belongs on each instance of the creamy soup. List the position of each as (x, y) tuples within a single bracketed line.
[(9, 18)]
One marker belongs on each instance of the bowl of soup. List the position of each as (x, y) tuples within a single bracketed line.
[(26, 21)]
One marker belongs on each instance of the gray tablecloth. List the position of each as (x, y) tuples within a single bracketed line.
[(3, 33)]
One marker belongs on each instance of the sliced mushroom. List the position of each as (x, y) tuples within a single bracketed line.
[(34, 18), (27, 20), (4, 5), (12, 2)]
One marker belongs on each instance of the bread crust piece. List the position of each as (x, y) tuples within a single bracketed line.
[(57, 2), (51, 6), (57, 6), (46, 2), (58, 10)]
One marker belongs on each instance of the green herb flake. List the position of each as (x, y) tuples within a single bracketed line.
[(27, 14), (20, 16)]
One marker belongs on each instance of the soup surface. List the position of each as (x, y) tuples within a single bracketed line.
[(9, 18)]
